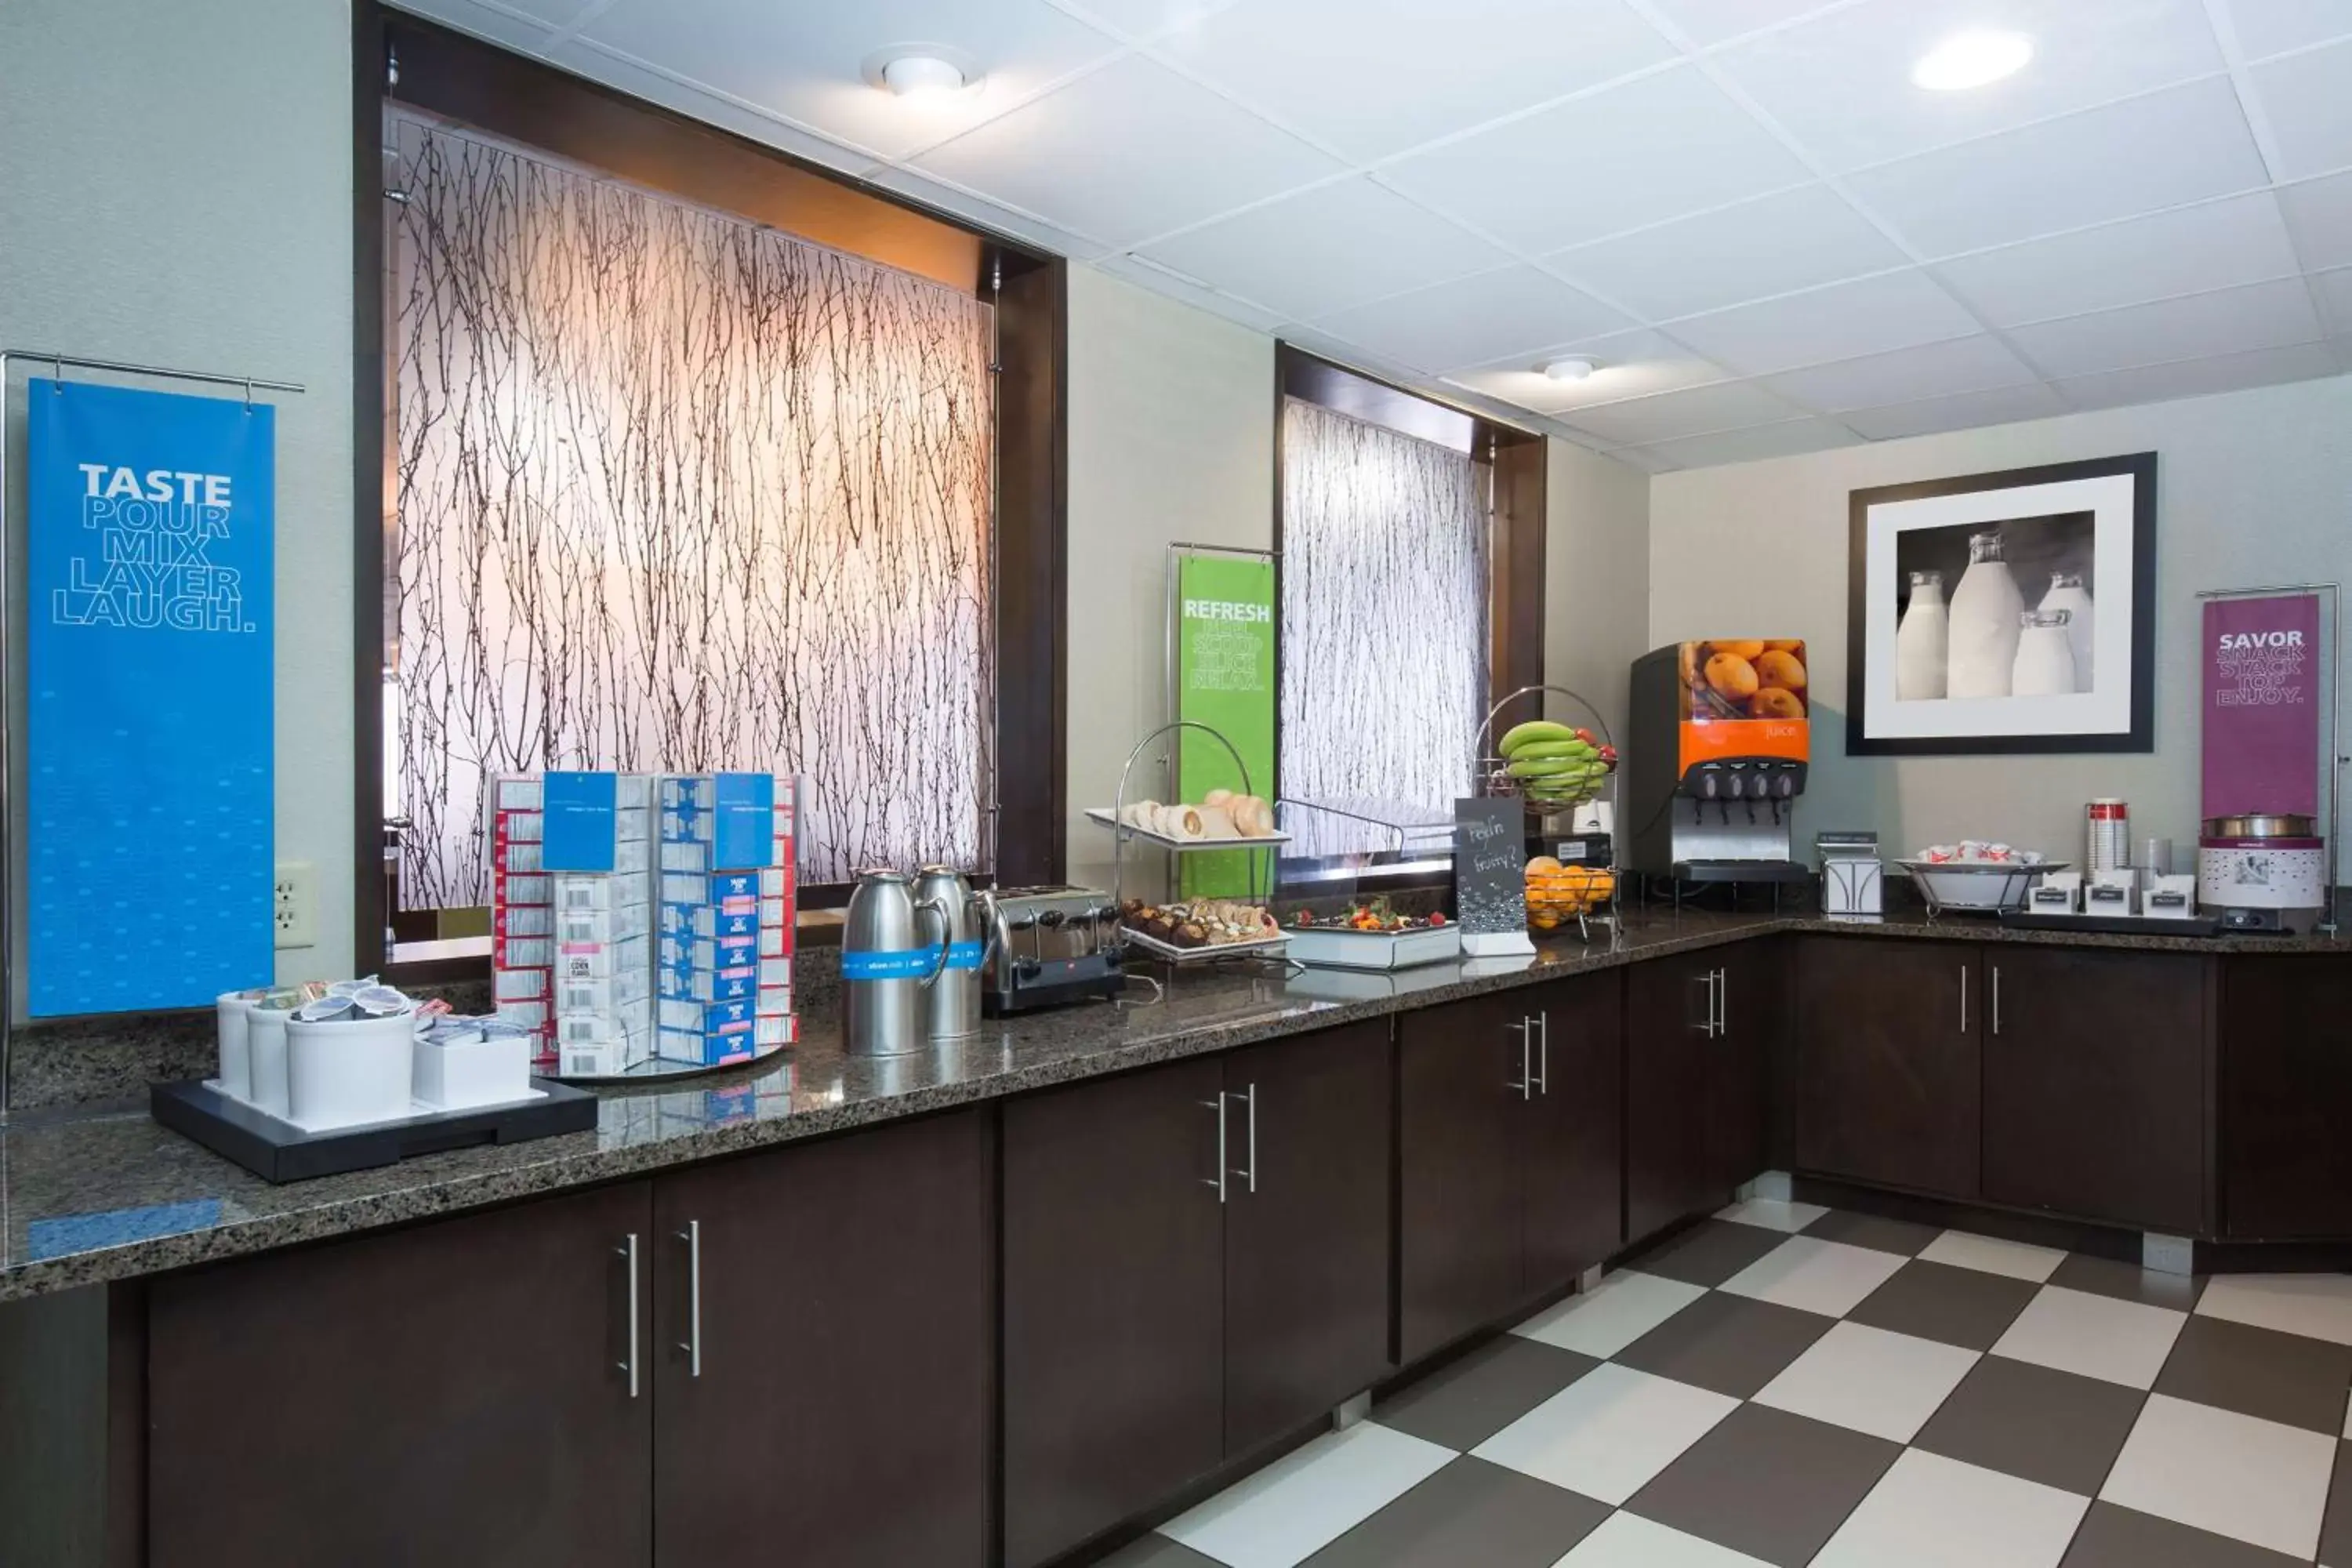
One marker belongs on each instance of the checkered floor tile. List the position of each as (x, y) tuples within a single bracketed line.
[(1787, 1386)]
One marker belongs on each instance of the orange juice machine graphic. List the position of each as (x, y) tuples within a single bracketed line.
[(1714, 759)]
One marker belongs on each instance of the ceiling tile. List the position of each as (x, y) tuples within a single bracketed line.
[(2310, 111), (2170, 148), (1845, 321), (1960, 411), (2196, 377), (518, 24), (1372, 81), (1136, 270), (1675, 144), (2334, 290), (1631, 364), (1474, 319), (1842, 83), (2268, 26), (633, 77), (972, 209), (2320, 215), (1732, 405), (1773, 244), (1146, 18), (1906, 376), (1126, 152), (1749, 445), (1328, 248), (2241, 240), (1642, 458), (803, 62), (1705, 22), (2261, 315)]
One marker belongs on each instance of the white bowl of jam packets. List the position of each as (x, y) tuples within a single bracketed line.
[(350, 1056), (462, 1063)]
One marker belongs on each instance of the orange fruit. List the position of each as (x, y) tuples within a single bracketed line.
[(1739, 649), (1775, 702), (1775, 666), (1732, 675)]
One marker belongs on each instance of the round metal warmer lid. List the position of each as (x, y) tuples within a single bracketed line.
[(2268, 824)]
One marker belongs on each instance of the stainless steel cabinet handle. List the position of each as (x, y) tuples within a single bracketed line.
[(692, 1343), (1722, 1002), (1250, 1176), (1995, 998), (1217, 1105), (1964, 998), (629, 1250), (1525, 1085), (1543, 1053)]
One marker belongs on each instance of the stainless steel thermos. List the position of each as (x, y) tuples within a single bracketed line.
[(889, 965), (947, 909)]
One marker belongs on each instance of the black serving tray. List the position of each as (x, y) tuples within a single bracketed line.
[(278, 1152), (2113, 925)]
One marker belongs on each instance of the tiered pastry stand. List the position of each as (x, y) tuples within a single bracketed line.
[(1123, 833)]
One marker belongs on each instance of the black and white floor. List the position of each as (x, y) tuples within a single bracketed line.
[(1792, 1385)]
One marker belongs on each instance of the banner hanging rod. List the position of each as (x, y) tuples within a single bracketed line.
[(124, 367)]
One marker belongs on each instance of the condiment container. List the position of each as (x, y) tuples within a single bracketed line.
[(265, 1045), (350, 1071), (2106, 834), (456, 1069), (235, 1075)]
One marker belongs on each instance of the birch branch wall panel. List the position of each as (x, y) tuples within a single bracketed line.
[(1385, 610), (676, 492)]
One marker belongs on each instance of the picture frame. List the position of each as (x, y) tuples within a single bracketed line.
[(2004, 614)]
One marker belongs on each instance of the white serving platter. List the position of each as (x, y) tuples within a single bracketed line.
[(1103, 816)]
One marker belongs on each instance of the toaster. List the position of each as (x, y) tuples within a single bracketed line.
[(1048, 946)]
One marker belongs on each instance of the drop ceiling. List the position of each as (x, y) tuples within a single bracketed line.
[(1768, 238)]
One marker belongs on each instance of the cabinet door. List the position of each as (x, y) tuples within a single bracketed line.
[(2094, 1084), (456, 1392), (1749, 999), (1459, 1100), (1114, 1302), (1889, 1062), (825, 1336), (1307, 1228), (1670, 1060), (2286, 1095), (1571, 1178)]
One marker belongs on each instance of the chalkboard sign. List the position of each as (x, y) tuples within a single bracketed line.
[(1490, 887)]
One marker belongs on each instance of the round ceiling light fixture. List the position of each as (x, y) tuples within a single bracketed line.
[(920, 71), (1575, 369), (1972, 59)]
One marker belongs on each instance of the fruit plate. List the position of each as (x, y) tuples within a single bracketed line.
[(1335, 948), (1168, 951), (1103, 816)]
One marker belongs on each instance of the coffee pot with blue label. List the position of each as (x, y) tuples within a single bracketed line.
[(944, 900), (890, 964)]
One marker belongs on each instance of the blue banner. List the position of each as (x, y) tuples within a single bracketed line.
[(149, 795)]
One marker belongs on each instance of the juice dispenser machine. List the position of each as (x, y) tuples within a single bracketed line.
[(1715, 760)]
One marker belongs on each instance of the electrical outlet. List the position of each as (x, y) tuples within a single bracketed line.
[(294, 900)]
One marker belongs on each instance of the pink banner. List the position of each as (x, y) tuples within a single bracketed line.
[(2262, 706)]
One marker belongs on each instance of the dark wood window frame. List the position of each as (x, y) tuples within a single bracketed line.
[(398, 59), (1517, 464)]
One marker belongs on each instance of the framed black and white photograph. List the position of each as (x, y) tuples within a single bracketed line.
[(2005, 613)]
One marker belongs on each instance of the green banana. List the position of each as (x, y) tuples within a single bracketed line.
[(1569, 748), (1533, 729)]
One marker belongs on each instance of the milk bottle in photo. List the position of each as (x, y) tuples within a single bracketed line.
[(1919, 640), (2067, 593), (1984, 617), (2045, 656)]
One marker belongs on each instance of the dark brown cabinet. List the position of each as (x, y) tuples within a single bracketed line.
[(1508, 1180), (1307, 1228), (2286, 1095), (1114, 1301), (1166, 1308), (477, 1390), (1890, 1065), (822, 1348), (2095, 1071), (1698, 1045)]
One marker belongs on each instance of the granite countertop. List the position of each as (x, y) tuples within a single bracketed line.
[(98, 1194)]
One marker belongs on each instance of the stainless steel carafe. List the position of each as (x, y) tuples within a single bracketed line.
[(943, 899), (887, 966)]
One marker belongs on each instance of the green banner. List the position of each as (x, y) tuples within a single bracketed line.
[(1224, 679)]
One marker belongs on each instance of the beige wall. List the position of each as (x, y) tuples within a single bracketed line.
[(1596, 577), (1171, 437), (176, 190), (2254, 488)]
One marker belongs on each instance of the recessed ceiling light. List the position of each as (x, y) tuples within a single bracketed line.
[(1972, 59), (920, 71), (1570, 369)]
